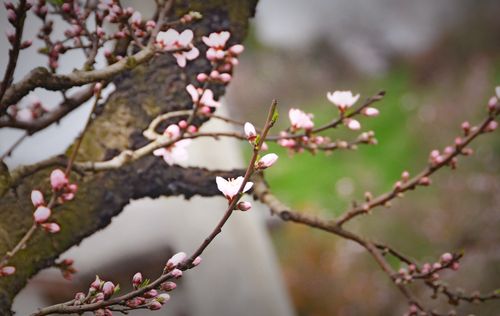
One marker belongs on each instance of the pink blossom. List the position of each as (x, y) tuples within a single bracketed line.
[(25, 115), (174, 153), (163, 298), (217, 40), (96, 284), (231, 186), (7, 270), (175, 260), (267, 161), (202, 97), (151, 294), (168, 286), (250, 131), (446, 257), (136, 18), (369, 111), (41, 214), (37, 198), (155, 305), (137, 279), (176, 273), (299, 119), (172, 131), (108, 288), (353, 124), (244, 206), (58, 179), (172, 40), (236, 49), (51, 227), (196, 261), (342, 99)]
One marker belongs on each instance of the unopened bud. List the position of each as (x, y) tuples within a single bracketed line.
[(168, 286), (137, 279), (243, 206)]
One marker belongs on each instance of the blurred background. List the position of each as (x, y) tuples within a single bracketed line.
[(439, 62)]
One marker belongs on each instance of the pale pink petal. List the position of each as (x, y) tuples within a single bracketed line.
[(185, 38), (248, 186), (181, 59), (353, 124), (192, 54), (159, 152), (41, 214), (58, 179), (193, 93), (37, 198), (222, 185)]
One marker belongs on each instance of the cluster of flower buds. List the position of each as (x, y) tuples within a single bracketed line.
[(61, 186), (151, 299), (223, 59), (428, 271), (176, 152), (67, 269), (42, 213), (13, 16), (27, 110)]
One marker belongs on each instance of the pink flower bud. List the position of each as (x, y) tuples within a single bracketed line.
[(58, 179), (37, 198), (175, 260), (26, 44), (11, 16), (182, 124), (41, 214), (219, 54), (492, 103), (96, 284), (66, 7), (491, 126), (405, 176), (425, 181), (446, 257), (201, 77), (7, 270), (80, 297), (455, 266), (51, 227), (436, 266), (264, 147), (97, 87), (225, 77), (176, 273), (150, 24), (155, 305), (192, 129), (466, 127), (205, 110), (353, 124), (250, 131), (236, 49), (214, 74), (137, 279), (370, 111), (244, 206), (163, 298), (267, 161), (99, 297), (151, 294), (196, 261), (168, 286), (108, 288)]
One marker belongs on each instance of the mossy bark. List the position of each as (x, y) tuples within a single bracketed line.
[(140, 95)]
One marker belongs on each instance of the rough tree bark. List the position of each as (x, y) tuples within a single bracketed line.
[(140, 95)]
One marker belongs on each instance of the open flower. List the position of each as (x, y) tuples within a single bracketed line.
[(217, 40), (230, 187), (342, 99), (174, 153), (299, 119), (202, 97), (172, 40)]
